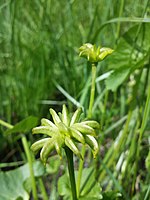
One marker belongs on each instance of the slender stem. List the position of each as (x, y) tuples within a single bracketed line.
[(3, 123), (29, 158), (147, 193), (43, 190), (69, 155), (120, 13), (143, 125), (104, 110), (80, 171), (145, 116), (11, 164), (92, 94), (92, 90)]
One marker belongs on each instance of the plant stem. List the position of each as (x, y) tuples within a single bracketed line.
[(80, 171), (120, 13), (43, 190), (92, 94), (3, 123), (29, 158), (69, 155), (92, 90), (104, 109), (143, 125)]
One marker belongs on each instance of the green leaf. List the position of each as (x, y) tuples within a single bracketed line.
[(112, 195), (64, 188), (130, 50), (131, 53), (23, 126), (88, 190), (53, 165), (117, 78), (14, 182)]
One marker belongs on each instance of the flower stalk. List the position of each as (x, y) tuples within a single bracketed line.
[(93, 55), (92, 95), (63, 134), (69, 155), (29, 158)]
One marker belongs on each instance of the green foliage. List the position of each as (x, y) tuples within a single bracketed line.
[(87, 192), (132, 53), (13, 183), (23, 126), (53, 165), (112, 195)]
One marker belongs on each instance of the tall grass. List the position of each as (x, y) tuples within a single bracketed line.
[(39, 44)]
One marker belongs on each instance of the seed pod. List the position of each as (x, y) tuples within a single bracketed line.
[(59, 142), (104, 52), (65, 117), (91, 141), (77, 135), (55, 117), (58, 149), (46, 122), (38, 145), (69, 143), (85, 129), (46, 150), (43, 130), (76, 116), (92, 124)]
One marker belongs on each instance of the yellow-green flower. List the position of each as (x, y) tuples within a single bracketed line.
[(65, 131), (94, 54)]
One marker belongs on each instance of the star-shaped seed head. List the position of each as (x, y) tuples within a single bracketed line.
[(65, 131), (94, 54)]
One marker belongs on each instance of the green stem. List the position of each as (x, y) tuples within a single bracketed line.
[(80, 171), (69, 155), (3, 123), (143, 125), (145, 116), (120, 13), (29, 158), (43, 190), (104, 110), (92, 90), (92, 94), (11, 164)]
